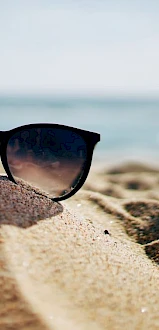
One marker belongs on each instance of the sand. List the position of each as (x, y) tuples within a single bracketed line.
[(90, 262)]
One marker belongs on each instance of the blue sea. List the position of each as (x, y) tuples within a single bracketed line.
[(129, 127)]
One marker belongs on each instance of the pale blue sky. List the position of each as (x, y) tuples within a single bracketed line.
[(79, 47)]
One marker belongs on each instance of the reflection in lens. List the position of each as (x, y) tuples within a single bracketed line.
[(51, 159)]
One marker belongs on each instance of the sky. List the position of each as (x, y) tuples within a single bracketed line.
[(77, 47)]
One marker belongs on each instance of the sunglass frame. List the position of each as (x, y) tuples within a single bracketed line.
[(90, 139)]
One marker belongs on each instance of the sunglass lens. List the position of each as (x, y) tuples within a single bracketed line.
[(51, 159)]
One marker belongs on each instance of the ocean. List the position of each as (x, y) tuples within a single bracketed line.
[(129, 127)]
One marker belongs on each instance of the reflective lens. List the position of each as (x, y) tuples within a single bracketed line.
[(51, 159)]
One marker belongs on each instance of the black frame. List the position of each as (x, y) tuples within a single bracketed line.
[(90, 139)]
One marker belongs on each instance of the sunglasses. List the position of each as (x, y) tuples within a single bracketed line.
[(54, 158)]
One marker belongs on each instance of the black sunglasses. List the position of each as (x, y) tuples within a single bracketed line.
[(52, 157)]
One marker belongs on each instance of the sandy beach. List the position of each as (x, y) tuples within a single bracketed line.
[(90, 262)]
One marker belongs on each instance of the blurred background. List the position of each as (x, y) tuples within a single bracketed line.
[(90, 64)]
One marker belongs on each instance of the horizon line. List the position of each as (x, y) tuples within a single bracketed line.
[(64, 95)]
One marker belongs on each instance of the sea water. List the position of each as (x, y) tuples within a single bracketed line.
[(129, 127)]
